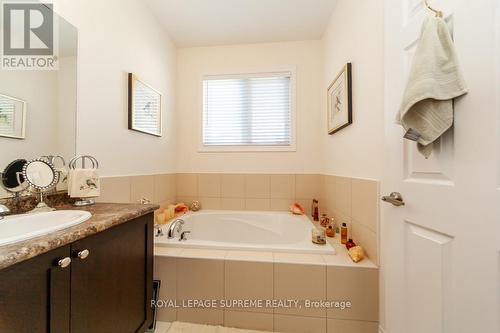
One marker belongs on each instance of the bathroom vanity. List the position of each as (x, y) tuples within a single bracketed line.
[(93, 277)]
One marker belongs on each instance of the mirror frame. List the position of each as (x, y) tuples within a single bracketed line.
[(55, 179), (21, 187)]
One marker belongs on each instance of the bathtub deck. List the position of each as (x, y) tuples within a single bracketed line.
[(341, 258)]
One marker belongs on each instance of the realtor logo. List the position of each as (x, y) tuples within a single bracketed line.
[(28, 39)]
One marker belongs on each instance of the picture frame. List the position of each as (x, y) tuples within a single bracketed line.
[(339, 101), (144, 107), (12, 117)]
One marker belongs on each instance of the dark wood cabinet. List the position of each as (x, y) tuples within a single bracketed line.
[(109, 290), (35, 295)]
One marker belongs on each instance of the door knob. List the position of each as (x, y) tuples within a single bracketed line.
[(394, 198), (65, 262), (83, 254)]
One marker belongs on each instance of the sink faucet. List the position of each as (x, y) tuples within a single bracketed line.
[(4, 211), (175, 226)]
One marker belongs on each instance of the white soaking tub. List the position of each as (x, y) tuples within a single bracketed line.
[(246, 230)]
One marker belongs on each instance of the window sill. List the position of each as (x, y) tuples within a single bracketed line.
[(246, 149)]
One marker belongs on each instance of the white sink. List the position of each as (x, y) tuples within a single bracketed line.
[(17, 228)]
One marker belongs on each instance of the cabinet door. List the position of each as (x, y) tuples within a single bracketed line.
[(35, 295), (111, 288)]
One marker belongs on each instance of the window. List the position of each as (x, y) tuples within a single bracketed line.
[(248, 112)]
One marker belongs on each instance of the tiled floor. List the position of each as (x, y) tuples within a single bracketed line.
[(177, 327), (162, 327)]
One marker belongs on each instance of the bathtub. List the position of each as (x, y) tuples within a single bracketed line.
[(246, 230)]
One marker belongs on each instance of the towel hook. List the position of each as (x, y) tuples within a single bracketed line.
[(438, 12)]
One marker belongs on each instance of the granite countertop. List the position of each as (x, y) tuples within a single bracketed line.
[(104, 216)]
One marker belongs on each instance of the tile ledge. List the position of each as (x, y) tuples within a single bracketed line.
[(340, 259)]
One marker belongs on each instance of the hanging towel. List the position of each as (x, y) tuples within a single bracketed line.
[(83, 183), (434, 81), (63, 179)]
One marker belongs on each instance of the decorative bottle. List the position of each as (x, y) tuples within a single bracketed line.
[(315, 210)]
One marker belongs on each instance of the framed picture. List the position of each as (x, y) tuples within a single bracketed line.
[(144, 107), (340, 101), (12, 117)]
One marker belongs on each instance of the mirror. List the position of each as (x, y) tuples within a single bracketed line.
[(40, 174), (12, 177), (43, 100)]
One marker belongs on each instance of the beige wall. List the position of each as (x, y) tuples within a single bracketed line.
[(112, 43), (66, 106), (117, 37), (355, 34), (193, 63)]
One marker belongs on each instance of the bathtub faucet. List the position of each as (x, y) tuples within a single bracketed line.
[(159, 231), (183, 236), (175, 226)]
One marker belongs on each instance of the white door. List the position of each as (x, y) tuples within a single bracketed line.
[(441, 251)]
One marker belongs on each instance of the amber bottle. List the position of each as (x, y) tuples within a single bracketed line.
[(343, 233)]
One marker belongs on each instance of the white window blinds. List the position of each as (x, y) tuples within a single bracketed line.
[(247, 110)]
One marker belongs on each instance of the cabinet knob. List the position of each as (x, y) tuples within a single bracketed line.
[(83, 254), (65, 262)]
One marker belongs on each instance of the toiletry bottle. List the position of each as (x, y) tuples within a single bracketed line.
[(315, 210), (330, 231), (334, 225), (350, 244), (325, 221), (343, 233)]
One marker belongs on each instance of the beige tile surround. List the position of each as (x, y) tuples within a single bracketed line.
[(247, 191), (354, 201), (262, 275), (191, 273), (350, 200), (159, 189)]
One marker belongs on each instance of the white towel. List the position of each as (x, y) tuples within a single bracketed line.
[(435, 80), (83, 183), (63, 179)]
